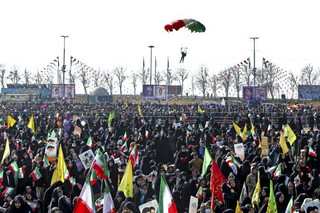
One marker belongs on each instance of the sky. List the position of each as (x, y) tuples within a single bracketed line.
[(105, 34)]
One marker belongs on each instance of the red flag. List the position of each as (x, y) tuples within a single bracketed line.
[(216, 181), (213, 139)]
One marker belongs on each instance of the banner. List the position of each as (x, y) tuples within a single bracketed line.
[(56, 91), (254, 94), (69, 92), (248, 94), (51, 148), (261, 94), (160, 93), (86, 158), (193, 205), (239, 150)]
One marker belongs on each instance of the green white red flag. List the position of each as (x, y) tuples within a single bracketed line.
[(36, 174), (134, 156), (13, 167), (166, 202), (7, 191), (90, 142), (108, 205), (85, 203), (100, 165)]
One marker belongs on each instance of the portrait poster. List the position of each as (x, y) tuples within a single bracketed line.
[(193, 205), (51, 148), (264, 146), (150, 207), (147, 91), (239, 150), (87, 158), (160, 93), (56, 91), (69, 92)]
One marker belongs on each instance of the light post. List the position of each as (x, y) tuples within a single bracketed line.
[(64, 63), (254, 69), (151, 63)]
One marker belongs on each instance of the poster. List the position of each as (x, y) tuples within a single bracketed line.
[(149, 207), (56, 91), (69, 92), (247, 94), (239, 150), (51, 148), (160, 93), (77, 131), (193, 205), (148, 91), (87, 158), (264, 146)]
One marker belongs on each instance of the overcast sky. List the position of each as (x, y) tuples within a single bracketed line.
[(104, 34)]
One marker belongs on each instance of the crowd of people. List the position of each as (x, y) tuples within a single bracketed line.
[(174, 148)]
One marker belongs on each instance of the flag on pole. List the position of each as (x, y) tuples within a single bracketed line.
[(272, 205), (124, 147), (11, 121), (32, 204), (283, 144), (126, 184), (108, 206), (36, 174), (61, 166), (7, 191), (166, 202), (13, 167), (67, 175), (93, 177), (139, 111), (1, 178), (46, 163), (244, 193), (199, 193), (31, 124), (216, 181), (253, 132), (290, 206), (244, 132), (277, 171), (72, 181), (207, 159), (22, 173), (111, 116), (85, 203), (147, 134), (90, 142), (125, 137), (238, 209), (134, 156), (100, 165), (200, 110), (290, 134), (269, 128), (256, 192), (6, 151), (237, 128), (312, 152)]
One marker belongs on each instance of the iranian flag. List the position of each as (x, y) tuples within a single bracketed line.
[(36, 175), (72, 181), (67, 175), (124, 147), (277, 172), (46, 163), (85, 203), (57, 116), (99, 202), (7, 191), (312, 152), (269, 128), (284, 128), (22, 173), (100, 165), (90, 142), (32, 204), (147, 134), (125, 137), (93, 177), (166, 202), (30, 152), (199, 193), (13, 167), (1, 178), (108, 206), (134, 156), (290, 206)]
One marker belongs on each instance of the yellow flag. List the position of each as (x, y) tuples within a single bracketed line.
[(61, 168), (31, 124), (6, 151), (290, 134), (283, 144), (3, 106), (127, 105), (200, 110), (126, 184), (139, 110), (11, 121), (238, 209), (237, 128), (54, 176), (252, 130), (244, 132), (256, 193)]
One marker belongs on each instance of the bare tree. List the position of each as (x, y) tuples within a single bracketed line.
[(193, 84), (201, 80), (47, 76), (182, 75), (2, 74), (213, 82), (38, 78), (170, 76), (14, 75), (246, 73), (119, 73), (159, 78), (309, 77), (96, 78), (27, 77), (134, 78), (260, 77), (225, 80), (108, 79), (237, 78), (83, 74), (272, 73), (293, 82), (144, 74)]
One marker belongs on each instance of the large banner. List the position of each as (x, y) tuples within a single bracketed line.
[(254, 93), (154, 92), (307, 92), (58, 92)]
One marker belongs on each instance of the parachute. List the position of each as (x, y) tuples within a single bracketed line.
[(191, 24)]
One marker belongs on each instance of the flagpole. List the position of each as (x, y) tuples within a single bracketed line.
[(64, 63), (254, 63), (151, 46)]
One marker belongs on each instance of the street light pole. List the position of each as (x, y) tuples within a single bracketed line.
[(64, 63), (254, 60), (151, 63)]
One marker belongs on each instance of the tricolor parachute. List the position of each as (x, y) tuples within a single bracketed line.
[(191, 24)]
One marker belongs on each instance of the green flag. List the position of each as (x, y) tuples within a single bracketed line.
[(207, 159), (272, 206)]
